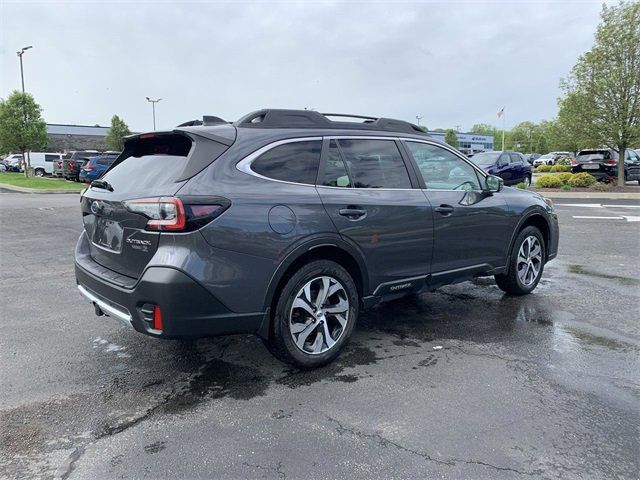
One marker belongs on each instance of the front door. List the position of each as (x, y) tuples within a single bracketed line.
[(366, 189), (472, 228)]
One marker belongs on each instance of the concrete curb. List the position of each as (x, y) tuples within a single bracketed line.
[(594, 195), (36, 190)]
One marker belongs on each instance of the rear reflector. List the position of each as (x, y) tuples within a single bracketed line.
[(157, 318)]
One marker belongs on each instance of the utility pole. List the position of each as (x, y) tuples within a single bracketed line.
[(458, 128), (153, 103)]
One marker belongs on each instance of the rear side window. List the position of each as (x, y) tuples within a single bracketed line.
[(335, 171), (149, 163), (292, 162), (51, 158), (374, 164)]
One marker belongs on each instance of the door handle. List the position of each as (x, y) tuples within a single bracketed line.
[(352, 213), (444, 210)]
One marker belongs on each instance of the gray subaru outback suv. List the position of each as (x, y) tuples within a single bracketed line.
[(287, 223)]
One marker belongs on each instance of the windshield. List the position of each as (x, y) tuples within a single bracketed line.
[(546, 155), (485, 158)]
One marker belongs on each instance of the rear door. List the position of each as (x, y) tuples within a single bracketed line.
[(367, 191), (472, 228), (632, 164), (516, 166)]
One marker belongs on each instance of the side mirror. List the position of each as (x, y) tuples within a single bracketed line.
[(493, 184)]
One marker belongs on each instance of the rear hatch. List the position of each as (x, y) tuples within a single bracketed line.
[(595, 159), (152, 167)]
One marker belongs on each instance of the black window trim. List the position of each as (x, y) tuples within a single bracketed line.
[(482, 175), (415, 185)]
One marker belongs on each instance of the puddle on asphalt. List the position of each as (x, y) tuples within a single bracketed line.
[(580, 270)]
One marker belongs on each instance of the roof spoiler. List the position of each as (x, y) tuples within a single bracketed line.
[(206, 121)]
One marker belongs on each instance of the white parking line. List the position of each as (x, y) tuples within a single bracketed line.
[(632, 219), (621, 206), (598, 218), (587, 205)]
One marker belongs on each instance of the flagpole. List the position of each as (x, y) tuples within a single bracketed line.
[(504, 115)]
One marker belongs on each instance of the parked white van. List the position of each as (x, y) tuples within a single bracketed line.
[(42, 162)]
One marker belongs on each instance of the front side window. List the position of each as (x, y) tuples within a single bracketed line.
[(441, 169), (374, 163), (291, 162), (515, 159)]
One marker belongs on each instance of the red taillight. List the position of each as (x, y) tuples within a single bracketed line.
[(164, 213), (574, 162), (59, 163), (157, 318), (147, 135), (611, 163), (88, 167)]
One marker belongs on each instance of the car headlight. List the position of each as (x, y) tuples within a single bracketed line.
[(549, 202)]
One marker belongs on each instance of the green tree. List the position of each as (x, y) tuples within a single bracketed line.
[(117, 132), (451, 138), (21, 126), (601, 101)]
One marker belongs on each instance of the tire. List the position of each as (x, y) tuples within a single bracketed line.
[(310, 349), (519, 282), (527, 180), (39, 172)]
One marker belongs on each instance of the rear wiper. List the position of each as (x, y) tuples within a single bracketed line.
[(102, 184)]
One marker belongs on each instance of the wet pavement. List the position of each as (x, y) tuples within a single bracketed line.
[(464, 382)]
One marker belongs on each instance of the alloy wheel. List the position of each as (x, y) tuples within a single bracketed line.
[(529, 260), (319, 315)]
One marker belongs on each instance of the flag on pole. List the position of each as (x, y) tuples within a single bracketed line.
[(501, 112)]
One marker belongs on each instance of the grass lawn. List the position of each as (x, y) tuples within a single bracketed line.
[(18, 180)]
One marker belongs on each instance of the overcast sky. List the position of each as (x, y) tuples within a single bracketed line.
[(453, 63)]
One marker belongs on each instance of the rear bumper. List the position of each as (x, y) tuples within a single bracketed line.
[(188, 310)]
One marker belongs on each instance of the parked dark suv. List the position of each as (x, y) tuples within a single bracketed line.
[(508, 165), (287, 223), (603, 164)]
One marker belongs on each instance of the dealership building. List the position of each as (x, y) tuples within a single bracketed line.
[(469, 143), (63, 138)]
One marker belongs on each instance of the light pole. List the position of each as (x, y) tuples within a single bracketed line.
[(419, 118), (20, 53), (153, 103)]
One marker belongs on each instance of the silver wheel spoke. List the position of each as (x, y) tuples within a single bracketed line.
[(323, 293), (529, 262), (341, 306), (328, 339), (299, 327), (303, 304), (317, 345), (304, 334), (341, 320)]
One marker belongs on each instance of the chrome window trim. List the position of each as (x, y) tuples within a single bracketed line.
[(244, 165)]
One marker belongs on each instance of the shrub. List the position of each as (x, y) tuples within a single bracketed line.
[(581, 180), (564, 177), (560, 168), (600, 187), (566, 188), (543, 168), (548, 181), (522, 186)]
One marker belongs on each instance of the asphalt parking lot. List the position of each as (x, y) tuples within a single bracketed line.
[(461, 383)]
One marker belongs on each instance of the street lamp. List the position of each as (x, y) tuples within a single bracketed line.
[(153, 103), (419, 118), (20, 53)]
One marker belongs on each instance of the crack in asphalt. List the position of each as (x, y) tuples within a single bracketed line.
[(384, 442), (277, 469)]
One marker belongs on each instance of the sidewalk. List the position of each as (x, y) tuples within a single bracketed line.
[(38, 190), (599, 195)]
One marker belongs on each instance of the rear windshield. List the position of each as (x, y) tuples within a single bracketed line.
[(590, 155), (150, 163), (485, 158)]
